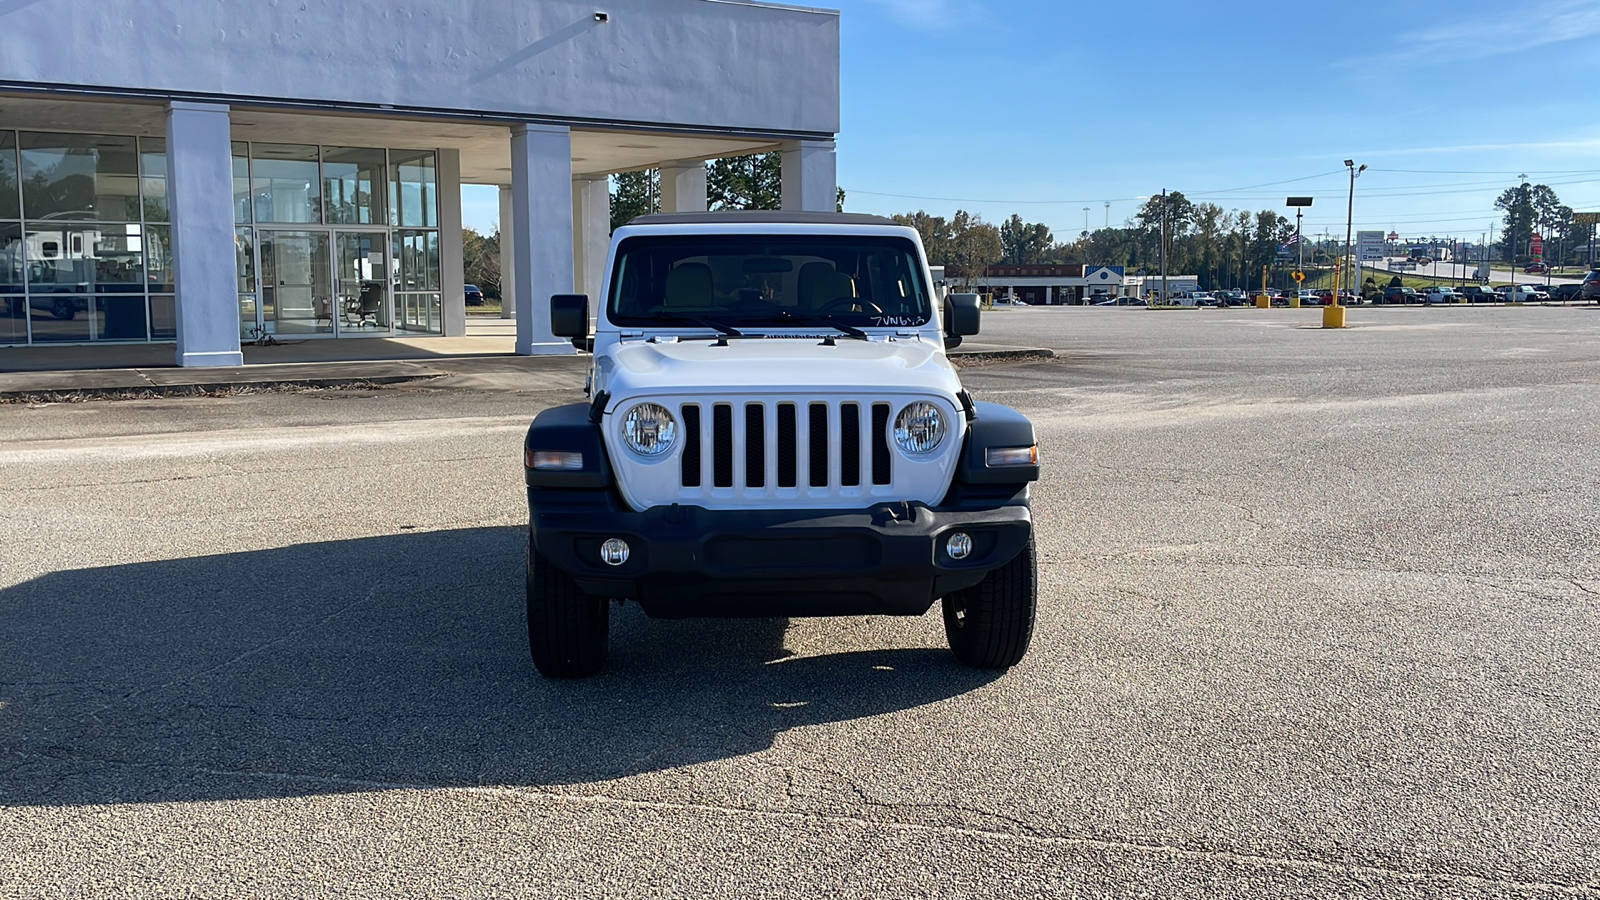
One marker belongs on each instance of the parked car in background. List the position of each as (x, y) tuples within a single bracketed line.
[(474, 296), (1440, 294), (1400, 295), (1232, 298), (1591, 286), (1566, 293), (1535, 268), (1480, 293), (1309, 298), (1523, 293), (1123, 301)]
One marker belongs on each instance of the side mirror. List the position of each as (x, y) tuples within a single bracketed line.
[(569, 315), (961, 315)]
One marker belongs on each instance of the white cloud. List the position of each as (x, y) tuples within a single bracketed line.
[(1499, 33)]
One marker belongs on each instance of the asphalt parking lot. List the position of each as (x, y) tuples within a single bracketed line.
[(1319, 612)]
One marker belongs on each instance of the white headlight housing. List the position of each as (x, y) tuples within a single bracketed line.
[(919, 428), (649, 429)]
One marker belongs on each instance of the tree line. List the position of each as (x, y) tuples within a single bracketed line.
[(1224, 248)]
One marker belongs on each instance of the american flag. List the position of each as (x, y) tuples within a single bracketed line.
[(1293, 239)]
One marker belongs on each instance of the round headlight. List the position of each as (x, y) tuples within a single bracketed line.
[(919, 428), (649, 430)]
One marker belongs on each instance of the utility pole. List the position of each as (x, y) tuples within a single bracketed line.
[(1164, 299), (1108, 213), (1350, 215)]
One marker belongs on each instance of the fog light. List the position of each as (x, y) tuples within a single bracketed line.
[(959, 545), (614, 551)]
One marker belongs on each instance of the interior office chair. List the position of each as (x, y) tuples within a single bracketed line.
[(371, 300)]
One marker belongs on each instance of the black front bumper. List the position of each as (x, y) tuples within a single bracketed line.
[(687, 561)]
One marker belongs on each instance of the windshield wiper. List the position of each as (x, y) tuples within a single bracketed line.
[(702, 321), (784, 315)]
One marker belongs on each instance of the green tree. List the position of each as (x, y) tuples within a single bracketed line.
[(935, 233), (1025, 243), (746, 182), (481, 260), (974, 247), (634, 194)]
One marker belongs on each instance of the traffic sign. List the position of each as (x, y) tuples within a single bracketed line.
[(1586, 218), (1298, 276)]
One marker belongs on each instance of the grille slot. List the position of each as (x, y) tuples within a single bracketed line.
[(880, 443), (691, 446), (755, 445), (788, 446), (850, 444), (722, 445), (818, 456)]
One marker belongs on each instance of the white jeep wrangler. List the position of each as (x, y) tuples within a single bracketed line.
[(774, 430)]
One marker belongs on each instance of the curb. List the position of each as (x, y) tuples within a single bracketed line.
[(188, 389), (1019, 353)]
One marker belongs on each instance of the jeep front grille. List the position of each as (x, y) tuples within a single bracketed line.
[(762, 447)]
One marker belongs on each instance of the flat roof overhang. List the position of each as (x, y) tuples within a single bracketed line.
[(485, 145)]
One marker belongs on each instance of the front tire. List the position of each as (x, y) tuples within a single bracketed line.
[(64, 309), (990, 624), (567, 629)]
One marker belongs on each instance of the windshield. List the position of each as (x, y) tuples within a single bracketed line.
[(861, 281)]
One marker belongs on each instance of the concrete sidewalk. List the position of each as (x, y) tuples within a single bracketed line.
[(483, 360)]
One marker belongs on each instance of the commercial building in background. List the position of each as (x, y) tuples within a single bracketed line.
[(1045, 284), (207, 173)]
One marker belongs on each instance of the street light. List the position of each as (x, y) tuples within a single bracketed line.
[(1086, 221), (1350, 215)]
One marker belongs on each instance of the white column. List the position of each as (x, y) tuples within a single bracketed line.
[(683, 187), (591, 235), (508, 259), (200, 191), (452, 267), (1049, 294), (810, 179), (541, 216)]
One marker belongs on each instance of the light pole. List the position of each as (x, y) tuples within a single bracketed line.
[(1108, 213), (1349, 217), (1086, 221)]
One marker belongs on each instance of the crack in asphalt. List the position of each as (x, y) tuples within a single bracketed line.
[(1027, 834)]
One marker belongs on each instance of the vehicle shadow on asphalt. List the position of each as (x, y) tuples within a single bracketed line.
[(381, 662)]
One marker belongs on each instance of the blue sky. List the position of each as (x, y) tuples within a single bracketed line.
[(1042, 107)]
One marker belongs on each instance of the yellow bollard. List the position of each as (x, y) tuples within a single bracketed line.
[(1263, 301), (1294, 302), (1333, 316)]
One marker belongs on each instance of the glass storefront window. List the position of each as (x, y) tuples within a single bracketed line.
[(8, 176), (242, 211), (415, 189), (58, 317), (353, 185), (121, 318), (158, 258), (79, 177), (118, 255), (285, 183), (153, 178), (417, 253), (163, 317), (13, 303)]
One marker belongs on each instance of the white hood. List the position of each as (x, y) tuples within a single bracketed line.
[(776, 365)]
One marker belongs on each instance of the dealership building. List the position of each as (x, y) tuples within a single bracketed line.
[(208, 172)]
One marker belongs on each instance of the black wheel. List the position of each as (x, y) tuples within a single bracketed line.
[(567, 629), (990, 624), (64, 309)]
